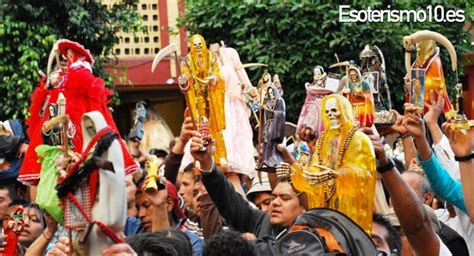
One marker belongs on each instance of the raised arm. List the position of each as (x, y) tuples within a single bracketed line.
[(173, 160), (462, 145), (409, 209), (441, 183), (431, 117), (235, 210)]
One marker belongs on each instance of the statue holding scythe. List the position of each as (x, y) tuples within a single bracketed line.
[(426, 72), (201, 82)]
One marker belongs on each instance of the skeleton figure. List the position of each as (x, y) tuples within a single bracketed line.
[(373, 73), (263, 85), (310, 123), (272, 129), (428, 60), (202, 82), (341, 173)]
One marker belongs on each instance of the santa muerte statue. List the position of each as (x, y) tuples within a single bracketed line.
[(373, 69), (310, 123), (83, 92), (272, 129), (202, 83), (426, 72), (359, 93), (341, 174)]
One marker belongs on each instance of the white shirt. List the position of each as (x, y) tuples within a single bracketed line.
[(461, 223)]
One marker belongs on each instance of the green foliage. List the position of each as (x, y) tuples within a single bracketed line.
[(294, 36), (30, 28)]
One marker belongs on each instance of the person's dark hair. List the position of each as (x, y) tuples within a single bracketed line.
[(399, 165), (189, 168), (41, 211), (393, 239), (19, 201), (162, 243), (302, 197), (160, 153), (11, 191), (229, 243)]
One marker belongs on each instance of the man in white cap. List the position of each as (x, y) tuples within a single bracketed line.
[(261, 192)]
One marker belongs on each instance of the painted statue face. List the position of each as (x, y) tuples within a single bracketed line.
[(52, 111), (197, 45), (333, 114), (271, 94), (353, 76), (317, 72)]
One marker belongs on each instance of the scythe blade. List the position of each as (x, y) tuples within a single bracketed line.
[(164, 52)]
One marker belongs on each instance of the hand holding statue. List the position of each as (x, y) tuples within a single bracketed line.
[(397, 126), (461, 140), (414, 124), (202, 153), (435, 107)]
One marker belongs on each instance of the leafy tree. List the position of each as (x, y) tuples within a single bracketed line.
[(30, 28), (294, 36)]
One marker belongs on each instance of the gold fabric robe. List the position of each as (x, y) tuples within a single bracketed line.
[(355, 184), (207, 100)]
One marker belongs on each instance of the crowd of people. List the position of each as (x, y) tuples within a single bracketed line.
[(197, 211), (416, 199)]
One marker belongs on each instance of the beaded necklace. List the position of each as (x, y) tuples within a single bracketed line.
[(329, 186)]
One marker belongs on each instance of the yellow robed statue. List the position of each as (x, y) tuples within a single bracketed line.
[(202, 82), (342, 171)]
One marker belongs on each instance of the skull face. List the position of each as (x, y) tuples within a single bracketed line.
[(197, 45), (333, 114), (353, 76), (271, 95), (317, 72)]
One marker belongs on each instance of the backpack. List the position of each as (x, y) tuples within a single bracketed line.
[(455, 242), (323, 231)]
